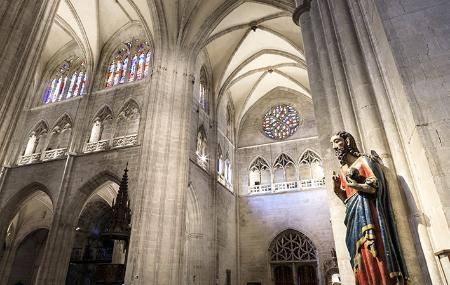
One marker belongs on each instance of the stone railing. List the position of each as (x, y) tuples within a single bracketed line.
[(96, 146), (286, 186), (117, 142), (27, 159), (54, 154), (124, 141)]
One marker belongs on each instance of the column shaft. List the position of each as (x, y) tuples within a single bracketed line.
[(366, 110), (159, 206), (24, 27), (327, 122)]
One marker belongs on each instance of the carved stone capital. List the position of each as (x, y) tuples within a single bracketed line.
[(304, 6)]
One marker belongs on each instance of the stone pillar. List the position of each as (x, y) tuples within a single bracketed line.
[(338, 73), (21, 44), (327, 122), (366, 21), (58, 248), (365, 108), (158, 206)]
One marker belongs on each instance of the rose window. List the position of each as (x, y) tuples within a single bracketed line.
[(281, 122)]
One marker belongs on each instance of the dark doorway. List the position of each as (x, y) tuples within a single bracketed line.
[(283, 275), (306, 275)]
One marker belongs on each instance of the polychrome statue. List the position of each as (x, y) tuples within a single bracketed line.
[(372, 239)]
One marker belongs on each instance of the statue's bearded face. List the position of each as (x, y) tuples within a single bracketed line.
[(340, 147)]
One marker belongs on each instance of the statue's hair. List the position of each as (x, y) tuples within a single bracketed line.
[(351, 143)]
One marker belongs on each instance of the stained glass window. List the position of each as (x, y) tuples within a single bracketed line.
[(67, 81), (131, 62), (280, 122)]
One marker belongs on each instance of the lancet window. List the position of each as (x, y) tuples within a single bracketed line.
[(131, 62), (67, 81), (259, 172), (220, 162), (284, 169), (228, 170), (230, 122), (203, 90), (202, 147), (311, 166)]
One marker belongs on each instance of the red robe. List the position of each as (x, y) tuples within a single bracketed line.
[(370, 267)]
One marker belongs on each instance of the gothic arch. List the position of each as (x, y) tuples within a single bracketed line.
[(128, 119), (13, 204), (104, 112), (101, 125), (292, 246), (259, 160), (61, 133)]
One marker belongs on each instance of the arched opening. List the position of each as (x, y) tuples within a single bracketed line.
[(25, 239), (92, 249), (202, 148), (284, 169), (127, 126), (293, 258), (193, 271), (35, 144), (310, 170), (259, 176), (101, 131), (28, 257), (59, 139)]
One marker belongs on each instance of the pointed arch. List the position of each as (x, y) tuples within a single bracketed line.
[(101, 125), (259, 163), (259, 172), (284, 169), (310, 165), (61, 133), (128, 119), (35, 143), (202, 147), (292, 246), (220, 162), (204, 90)]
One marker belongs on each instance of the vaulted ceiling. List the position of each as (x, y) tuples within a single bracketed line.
[(253, 46), (254, 49), (91, 23)]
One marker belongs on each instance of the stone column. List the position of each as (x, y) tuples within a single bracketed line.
[(327, 122), (24, 27), (58, 248), (366, 19), (365, 108), (159, 206)]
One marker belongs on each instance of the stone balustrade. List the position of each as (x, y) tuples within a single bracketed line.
[(286, 186), (54, 154), (27, 159), (124, 141), (116, 142)]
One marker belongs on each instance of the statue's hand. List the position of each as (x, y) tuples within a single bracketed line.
[(337, 187), (360, 187), (336, 180)]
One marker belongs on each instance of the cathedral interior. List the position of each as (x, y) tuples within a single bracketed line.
[(187, 142)]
